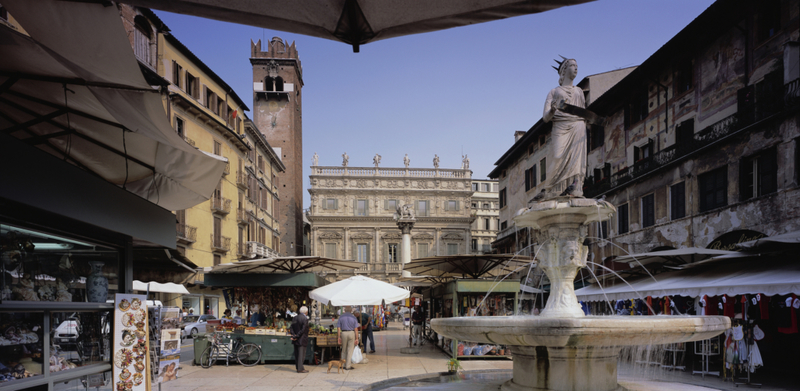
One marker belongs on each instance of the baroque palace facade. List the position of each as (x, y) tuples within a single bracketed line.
[(352, 209)]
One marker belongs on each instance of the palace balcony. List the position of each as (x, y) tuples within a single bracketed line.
[(220, 244)]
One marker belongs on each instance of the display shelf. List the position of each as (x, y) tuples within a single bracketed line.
[(55, 377), (53, 306)]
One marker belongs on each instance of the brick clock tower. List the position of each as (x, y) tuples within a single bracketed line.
[(278, 114)]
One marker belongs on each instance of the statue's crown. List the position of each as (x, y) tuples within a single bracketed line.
[(560, 63)]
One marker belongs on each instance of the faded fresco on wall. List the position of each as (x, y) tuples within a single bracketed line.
[(516, 183), (721, 69), (615, 138)]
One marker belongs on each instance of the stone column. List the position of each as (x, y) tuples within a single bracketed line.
[(438, 241), (346, 242), (406, 224)]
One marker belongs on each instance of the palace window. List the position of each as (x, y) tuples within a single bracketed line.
[(452, 248), (360, 207), (390, 204), (330, 250), (502, 198), (392, 252), (362, 252), (677, 200), (648, 211), (597, 135), (422, 250), (330, 204), (141, 39), (759, 174), (713, 189), (684, 133), (487, 224), (176, 74), (423, 208), (179, 126), (451, 205), (542, 170), (684, 76), (191, 85), (622, 219)]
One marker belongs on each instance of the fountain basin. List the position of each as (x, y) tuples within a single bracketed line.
[(575, 353), (584, 331)]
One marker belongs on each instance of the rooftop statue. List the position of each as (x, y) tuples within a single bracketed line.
[(345, 159), (406, 161)]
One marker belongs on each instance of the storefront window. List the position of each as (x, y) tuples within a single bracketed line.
[(79, 338), (211, 305), (192, 304), (22, 337)]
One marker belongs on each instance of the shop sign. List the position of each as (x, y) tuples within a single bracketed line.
[(728, 241)]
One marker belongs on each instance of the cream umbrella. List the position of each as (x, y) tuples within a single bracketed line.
[(358, 290)]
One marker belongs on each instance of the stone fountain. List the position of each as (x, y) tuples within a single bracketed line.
[(562, 349)]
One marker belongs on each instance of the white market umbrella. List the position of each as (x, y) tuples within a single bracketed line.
[(358, 290)]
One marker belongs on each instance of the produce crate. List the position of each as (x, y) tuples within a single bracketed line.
[(251, 332)]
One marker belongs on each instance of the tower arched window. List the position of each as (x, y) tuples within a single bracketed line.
[(278, 83), (269, 84)]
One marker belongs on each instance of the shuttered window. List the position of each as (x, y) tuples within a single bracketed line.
[(390, 204), (422, 250), (361, 252), (451, 205), (452, 248), (330, 250), (361, 207), (422, 208)]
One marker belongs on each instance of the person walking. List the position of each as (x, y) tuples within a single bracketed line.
[(348, 335), (366, 332), (417, 321), (299, 330)]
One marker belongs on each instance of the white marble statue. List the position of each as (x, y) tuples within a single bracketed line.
[(345, 159), (405, 212), (435, 161), (464, 162), (315, 160), (406, 161), (376, 160), (566, 159)]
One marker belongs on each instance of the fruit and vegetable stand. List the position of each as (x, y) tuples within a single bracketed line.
[(274, 347)]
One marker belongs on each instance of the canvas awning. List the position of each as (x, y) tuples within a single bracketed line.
[(471, 265), (74, 89), (784, 241), (295, 264), (153, 286), (770, 277), (356, 22), (676, 257)]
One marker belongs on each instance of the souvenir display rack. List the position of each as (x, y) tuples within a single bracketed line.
[(50, 333), (705, 349)]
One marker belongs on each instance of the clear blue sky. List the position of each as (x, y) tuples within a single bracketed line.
[(462, 90)]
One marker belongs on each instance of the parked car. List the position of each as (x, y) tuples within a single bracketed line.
[(189, 319), (66, 335), (194, 328)]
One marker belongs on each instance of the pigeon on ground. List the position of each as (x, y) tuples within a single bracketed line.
[(539, 196), (570, 188)]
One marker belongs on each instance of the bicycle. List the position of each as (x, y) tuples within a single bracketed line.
[(247, 354)]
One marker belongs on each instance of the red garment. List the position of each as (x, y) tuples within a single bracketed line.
[(728, 306), (649, 305), (763, 305), (667, 307), (793, 328)]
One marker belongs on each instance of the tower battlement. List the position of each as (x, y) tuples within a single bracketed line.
[(276, 48)]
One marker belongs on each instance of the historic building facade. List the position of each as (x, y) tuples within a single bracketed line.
[(352, 209), (278, 114), (240, 219), (486, 209), (702, 141)]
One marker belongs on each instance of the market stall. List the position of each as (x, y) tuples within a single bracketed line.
[(270, 292), (471, 293)]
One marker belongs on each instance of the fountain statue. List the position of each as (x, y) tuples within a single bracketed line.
[(562, 349)]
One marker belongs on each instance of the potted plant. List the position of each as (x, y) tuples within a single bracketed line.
[(453, 365)]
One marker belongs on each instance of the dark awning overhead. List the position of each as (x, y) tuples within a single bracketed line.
[(356, 22), (296, 264), (472, 265)]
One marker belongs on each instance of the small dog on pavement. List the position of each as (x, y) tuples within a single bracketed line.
[(338, 363)]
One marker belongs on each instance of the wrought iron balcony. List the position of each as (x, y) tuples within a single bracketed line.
[(665, 156), (186, 234), (220, 205), (220, 244), (241, 180)]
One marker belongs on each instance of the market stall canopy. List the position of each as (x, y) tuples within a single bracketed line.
[(679, 256), (153, 286), (74, 89), (356, 22), (472, 265), (784, 241), (358, 290), (770, 277), (297, 264)]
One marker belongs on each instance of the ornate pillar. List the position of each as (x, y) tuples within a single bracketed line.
[(438, 242), (406, 224), (346, 243), (377, 250)]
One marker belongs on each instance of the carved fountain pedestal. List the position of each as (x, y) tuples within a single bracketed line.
[(562, 349)]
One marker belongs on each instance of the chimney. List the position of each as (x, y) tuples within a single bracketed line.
[(518, 135)]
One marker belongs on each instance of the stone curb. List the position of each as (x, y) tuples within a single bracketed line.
[(405, 379)]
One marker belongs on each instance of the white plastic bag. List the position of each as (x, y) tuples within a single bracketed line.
[(357, 357)]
